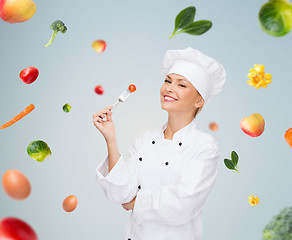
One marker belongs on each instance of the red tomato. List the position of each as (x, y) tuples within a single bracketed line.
[(132, 88), (12, 228), (29, 75), (99, 89)]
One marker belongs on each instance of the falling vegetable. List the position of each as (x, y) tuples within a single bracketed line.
[(12, 228), (253, 200), (26, 111), (99, 89), (66, 108), (275, 17), (185, 21), (57, 26), (258, 77), (29, 75), (279, 228), (232, 164), (38, 150)]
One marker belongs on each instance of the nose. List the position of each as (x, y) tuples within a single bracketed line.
[(169, 88)]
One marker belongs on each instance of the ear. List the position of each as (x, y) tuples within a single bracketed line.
[(200, 102)]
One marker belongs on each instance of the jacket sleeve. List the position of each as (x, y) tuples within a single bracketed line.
[(120, 184), (181, 202)]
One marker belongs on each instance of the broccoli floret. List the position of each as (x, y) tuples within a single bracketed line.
[(57, 26), (280, 227)]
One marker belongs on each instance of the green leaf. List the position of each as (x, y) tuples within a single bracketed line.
[(229, 164), (198, 27), (185, 17), (234, 158)]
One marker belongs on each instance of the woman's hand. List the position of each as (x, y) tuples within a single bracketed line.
[(106, 127), (129, 205)]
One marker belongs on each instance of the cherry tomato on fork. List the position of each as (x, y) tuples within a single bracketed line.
[(132, 88)]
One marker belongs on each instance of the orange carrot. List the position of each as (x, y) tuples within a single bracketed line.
[(26, 111)]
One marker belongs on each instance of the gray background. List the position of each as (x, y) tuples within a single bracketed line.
[(137, 34)]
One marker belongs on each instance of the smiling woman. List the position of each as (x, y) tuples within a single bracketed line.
[(178, 88), (169, 172)]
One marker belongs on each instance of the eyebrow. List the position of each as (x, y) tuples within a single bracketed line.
[(180, 79)]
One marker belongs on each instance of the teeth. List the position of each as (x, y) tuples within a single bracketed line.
[(168, 98)]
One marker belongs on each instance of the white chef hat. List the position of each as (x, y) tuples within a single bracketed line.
[(205, 73)]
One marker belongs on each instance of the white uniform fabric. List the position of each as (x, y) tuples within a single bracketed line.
[(171, 178)]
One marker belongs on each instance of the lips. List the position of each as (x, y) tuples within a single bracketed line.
[(169, 98)]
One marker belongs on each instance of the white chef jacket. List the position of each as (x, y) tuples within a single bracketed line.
[(171, 180)]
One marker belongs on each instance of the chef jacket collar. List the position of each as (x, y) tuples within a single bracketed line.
[(178, 135)]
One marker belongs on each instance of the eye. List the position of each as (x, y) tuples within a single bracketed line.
[(167, 81), (182, 85)]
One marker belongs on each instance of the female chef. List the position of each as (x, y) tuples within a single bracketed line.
[(169, 172)]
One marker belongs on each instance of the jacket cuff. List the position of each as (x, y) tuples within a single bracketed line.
[(117, 175)]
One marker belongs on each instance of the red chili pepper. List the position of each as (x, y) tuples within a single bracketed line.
[(29, 75)]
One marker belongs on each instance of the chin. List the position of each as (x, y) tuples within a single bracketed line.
[(167, 108)]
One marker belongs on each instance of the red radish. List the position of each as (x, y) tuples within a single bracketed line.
[(29, 75), (12, 228), (99, 89)]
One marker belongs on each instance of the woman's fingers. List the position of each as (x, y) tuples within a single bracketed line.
[(98, 118), (125, 207), (98, 115), (101, 114), (109, 116), (109, 107)]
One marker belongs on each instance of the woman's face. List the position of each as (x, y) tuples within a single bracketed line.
[(177, 94)]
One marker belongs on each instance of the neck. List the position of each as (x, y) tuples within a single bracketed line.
[(176, 121)]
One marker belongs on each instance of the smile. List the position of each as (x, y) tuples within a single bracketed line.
[(169, 99)]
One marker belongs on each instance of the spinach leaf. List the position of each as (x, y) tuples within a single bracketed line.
[(234, 158), (185, 17), (198, 27), (232, 164), (184, 21), (229, 164)]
